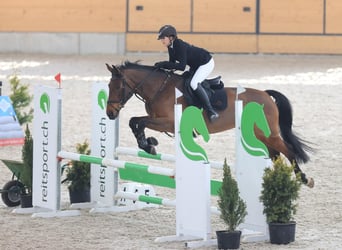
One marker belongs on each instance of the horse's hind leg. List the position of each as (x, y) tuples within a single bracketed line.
[(138, 126), (273, 153), (276, 146), (306, 180)]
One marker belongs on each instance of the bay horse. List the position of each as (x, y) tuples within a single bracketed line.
[(156, 88)]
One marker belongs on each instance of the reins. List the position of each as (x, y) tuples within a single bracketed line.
[(134, 90), (140, 96)]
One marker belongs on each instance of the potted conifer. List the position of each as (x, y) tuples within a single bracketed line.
[(78, 176), (20, 191), (27, 169), (280, 189), (233, 211)]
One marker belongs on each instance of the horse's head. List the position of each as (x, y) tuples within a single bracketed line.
[(119, 92), (132, 78)]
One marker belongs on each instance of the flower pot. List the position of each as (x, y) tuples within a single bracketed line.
[(79, 196), (228, 240), (282, 233), (26, 200)]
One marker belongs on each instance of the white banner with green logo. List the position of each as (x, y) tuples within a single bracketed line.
[(46, 183), (252, 157), (193, 175), (102, 145)]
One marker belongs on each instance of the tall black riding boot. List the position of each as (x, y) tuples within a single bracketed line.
[(203, 97)]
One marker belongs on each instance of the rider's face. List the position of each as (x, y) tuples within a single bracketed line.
[(166, 41)]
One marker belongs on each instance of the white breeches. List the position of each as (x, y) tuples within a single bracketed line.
[(202, 73)]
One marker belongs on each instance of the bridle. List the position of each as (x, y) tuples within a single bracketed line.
[(123, 97), (133, 90)]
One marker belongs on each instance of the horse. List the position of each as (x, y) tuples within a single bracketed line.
[(156, 88)]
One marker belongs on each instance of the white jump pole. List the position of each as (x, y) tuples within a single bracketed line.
[(159, 156), (46, 186), (193, 209), (47, 143), (104, 139), (249, 170)]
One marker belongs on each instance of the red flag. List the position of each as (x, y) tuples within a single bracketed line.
[(58, 78)]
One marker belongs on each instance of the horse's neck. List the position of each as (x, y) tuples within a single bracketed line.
[(159, 83)]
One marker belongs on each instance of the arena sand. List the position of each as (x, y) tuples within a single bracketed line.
[(312, 83)]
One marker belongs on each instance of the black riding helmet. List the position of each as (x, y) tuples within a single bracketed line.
[(167, 30)]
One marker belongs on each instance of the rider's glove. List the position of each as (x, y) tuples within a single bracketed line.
[(160, 65)]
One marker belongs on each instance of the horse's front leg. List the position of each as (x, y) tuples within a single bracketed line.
[(138, 125)]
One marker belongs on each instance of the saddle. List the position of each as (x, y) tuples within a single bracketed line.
[(215, 91)]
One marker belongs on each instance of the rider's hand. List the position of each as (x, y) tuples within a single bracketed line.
[(160, 65)]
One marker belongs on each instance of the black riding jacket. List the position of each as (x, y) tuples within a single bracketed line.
[(181, 54)]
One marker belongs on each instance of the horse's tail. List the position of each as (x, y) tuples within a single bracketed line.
[(297, 145)]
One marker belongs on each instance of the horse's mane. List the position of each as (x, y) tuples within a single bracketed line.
[(135, 65)]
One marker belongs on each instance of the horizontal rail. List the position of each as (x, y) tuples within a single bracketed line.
[(154, 200), (159, 176), (117, 163), (161, 156), (144, 198)]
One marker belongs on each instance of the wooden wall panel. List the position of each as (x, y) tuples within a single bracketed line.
[(300, 44), (63, 16), (218, 43), (224, 43), (150, 15), (224, 16), (291, 16), (137, 42), (333, 17), (218, 25)]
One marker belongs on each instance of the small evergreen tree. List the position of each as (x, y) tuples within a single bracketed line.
[(21, 99), (232, 207), (27, 157), (279, 192), (78, 175)]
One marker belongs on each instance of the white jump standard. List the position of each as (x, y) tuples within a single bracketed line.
[(191, 176)]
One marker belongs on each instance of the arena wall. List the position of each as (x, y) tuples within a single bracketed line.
[(120, 26)]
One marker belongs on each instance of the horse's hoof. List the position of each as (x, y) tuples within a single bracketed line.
[(152, 141), (310, 183), (151, 150)]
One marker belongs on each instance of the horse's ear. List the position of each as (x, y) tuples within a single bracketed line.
[(109, 68), (115, 70)]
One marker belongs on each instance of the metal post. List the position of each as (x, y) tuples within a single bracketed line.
[(59, 147), (116, 144)]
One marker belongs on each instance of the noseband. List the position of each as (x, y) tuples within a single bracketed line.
[(123, 97)]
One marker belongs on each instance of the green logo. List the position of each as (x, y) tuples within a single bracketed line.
[(253, 115), (192, 120), (102, 99), (45, 103)]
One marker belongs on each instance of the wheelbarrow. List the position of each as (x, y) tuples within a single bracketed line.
[(12, 190)]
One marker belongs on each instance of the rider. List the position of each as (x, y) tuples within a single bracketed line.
[(198, 59)]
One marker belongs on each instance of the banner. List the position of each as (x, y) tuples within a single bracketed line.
[(11, 132), (45, 147), (102, 145)]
